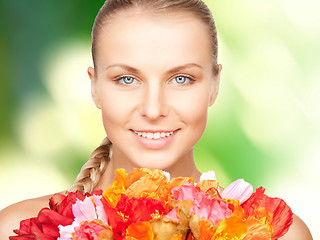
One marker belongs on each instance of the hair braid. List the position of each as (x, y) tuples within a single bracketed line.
[(92, 170)]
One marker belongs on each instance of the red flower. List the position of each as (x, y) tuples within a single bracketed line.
[(131, 210), (282, 214), (30, 230), (45, 225)]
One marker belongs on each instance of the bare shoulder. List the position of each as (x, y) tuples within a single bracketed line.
[(298, 231), (11, 216)]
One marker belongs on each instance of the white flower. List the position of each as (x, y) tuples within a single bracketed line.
[(210, 175), (166, 174)]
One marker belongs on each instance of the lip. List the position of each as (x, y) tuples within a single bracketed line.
[(155, 144), (154, 131)]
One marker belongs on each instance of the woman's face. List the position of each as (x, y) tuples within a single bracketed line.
[(154, 83)]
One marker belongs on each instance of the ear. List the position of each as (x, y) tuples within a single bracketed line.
[(94, 93), (215, 86)]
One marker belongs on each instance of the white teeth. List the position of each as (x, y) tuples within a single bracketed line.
[(156, 135)]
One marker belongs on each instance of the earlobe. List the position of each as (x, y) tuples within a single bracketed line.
[(94, 93), (215, 86)]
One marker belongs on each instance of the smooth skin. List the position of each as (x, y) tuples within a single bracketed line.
[(139, 88), (153, 73)]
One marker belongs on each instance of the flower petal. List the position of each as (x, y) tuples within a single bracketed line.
[(282, 214), (239, 190), (210, 175), (172, 215), (233, 227), (113, 193), (256, 230), (166, 174), (186, 191), (140, 231), (84, 210)]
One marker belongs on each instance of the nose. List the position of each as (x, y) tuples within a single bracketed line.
[(153, 103)]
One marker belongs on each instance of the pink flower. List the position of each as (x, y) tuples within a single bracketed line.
[(172, 215), (239, 190), (85, 210), (186, 191), (213, 210), (100, 209), (88, 231)]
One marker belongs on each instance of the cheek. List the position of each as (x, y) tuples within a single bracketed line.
[(192, 108), (116, 109)]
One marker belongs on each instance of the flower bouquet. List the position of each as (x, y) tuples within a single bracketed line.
[(146, 204)]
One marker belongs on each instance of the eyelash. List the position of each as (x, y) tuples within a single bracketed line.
[(119, 78), (190, 78)]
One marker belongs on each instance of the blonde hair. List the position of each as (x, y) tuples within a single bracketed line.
[(93, 169), (195, 7)]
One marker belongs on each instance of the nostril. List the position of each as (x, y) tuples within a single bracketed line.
[(153, 109)]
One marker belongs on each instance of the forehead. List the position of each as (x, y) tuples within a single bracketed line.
[(137, 37)]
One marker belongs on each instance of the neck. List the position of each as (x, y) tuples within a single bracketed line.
[(181, 168), (185, 167)]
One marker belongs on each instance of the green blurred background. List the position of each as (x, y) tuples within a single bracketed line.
[(264, 126)]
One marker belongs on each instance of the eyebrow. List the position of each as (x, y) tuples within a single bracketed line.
[(125, 67), (182, 67), (171, 71)]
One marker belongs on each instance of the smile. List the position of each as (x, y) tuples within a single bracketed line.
[(153, 135)]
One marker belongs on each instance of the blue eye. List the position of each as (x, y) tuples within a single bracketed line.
[(126, 80), (182, 79)]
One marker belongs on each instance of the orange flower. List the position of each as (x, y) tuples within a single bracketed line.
[(264, 216), (139, 231), (146, 183), (257, 230), (206, 230), (237, 210), (178, 237), (232, 227), (207, 185), (142, 182), (237, 226), (113, 193)]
